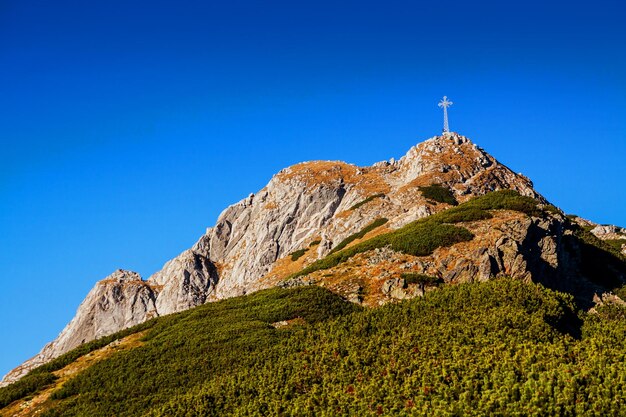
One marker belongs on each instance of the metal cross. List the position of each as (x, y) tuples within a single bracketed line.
[(444, 104)]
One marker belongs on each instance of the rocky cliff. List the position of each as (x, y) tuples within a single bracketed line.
[(311, 207), (120, 300)]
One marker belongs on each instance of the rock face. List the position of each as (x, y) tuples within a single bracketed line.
[(608, 231), (184, 282), (120, 300), (310, 204)]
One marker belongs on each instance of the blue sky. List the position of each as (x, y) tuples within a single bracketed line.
[(126, 127)]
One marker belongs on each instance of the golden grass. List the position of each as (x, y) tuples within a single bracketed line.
[(366, 181), (32, 406)]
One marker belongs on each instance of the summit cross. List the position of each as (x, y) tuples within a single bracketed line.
[(444, 104)]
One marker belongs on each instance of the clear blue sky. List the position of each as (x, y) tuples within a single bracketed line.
[(127, 126)]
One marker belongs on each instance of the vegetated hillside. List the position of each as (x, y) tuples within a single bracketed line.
[(503, 347), (316, 201), (167, 365)]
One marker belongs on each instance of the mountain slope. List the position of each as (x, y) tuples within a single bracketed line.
[(501, 347), (311, 208)]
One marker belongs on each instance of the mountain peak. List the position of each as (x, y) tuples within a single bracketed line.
[(450, 159), (309, 209)]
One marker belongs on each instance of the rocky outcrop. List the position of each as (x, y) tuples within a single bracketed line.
[(614, 234), (119, 301), (540, 249), (609, 232), (251, 235), (324, 201), (184, 282), (601, 231)]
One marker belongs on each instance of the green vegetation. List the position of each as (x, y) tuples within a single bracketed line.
[(185, 350), (422, 280), (367, 200), (463, 214), (616, 244), (30, 384), (82, 350), (298, 254), (476, 208), (502, 347), (359, 235), (552, 209), (439, 193), (42, 376), (315, 243), (584, 234), (505, 200), (418, 238)]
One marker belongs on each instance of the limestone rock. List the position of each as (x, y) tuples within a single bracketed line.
[(119, 301), (184, 282), (608, 231)]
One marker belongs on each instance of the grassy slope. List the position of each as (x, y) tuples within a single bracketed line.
[(472, 349)]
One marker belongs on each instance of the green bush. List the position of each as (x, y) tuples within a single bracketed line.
[(462, 214), (297, 254), (422, 280), (503, 347), (27, 385), (367, 200), (42, 376), (358, 235), (616, 244), (438, 193), (505, 200), (184, 350), (88, 347), (552, 209), (315, 243)]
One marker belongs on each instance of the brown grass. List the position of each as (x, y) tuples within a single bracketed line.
[(314, 173), (41, 401)]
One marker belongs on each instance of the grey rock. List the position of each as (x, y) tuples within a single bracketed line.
[(186, 281), (608, 231), (119, 301), (296, 282)]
